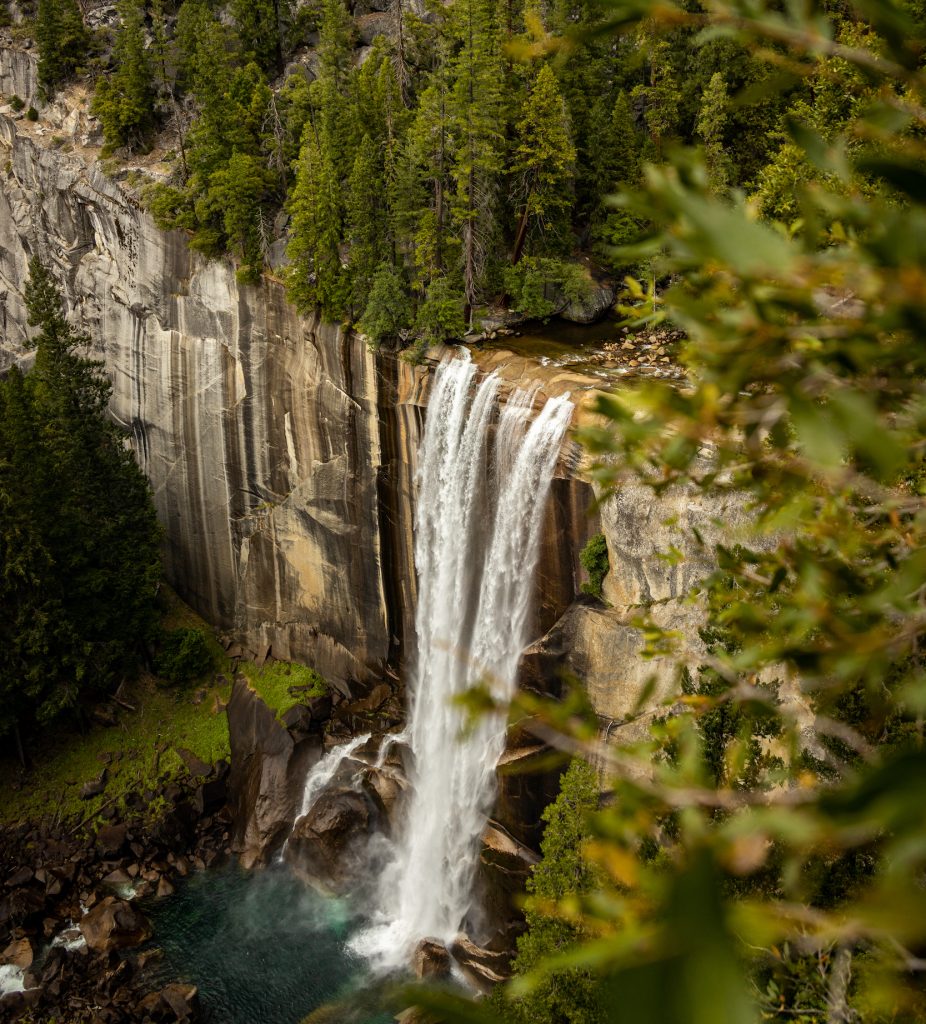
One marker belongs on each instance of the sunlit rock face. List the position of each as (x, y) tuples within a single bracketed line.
[(258, 429), (281, 452)]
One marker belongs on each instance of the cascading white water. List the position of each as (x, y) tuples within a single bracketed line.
[(476, 547), (320, 775)]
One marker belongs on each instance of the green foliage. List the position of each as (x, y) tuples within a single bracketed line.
[(124, 101), (566, 995), (594, 559), (17, 103), (184, 655), (388, 312), (32, 114), (762, 845), (440, 316), (544, 160), (63, 40), (540, 286), (79, 542)]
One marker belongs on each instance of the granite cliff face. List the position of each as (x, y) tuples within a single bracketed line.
[(280, 450)]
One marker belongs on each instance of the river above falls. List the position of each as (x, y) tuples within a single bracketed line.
[(262, 948)]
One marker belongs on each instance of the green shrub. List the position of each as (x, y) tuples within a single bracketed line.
[(388, 311), (440, 317), (32, 114), (540, 286), (184, 655), (594, 559), (16, 103)]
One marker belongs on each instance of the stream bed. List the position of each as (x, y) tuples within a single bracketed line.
[(262, 948)]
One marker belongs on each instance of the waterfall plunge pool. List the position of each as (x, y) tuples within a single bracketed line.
[(262, 948)]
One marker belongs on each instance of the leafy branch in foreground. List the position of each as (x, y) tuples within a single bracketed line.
[(763, 848)]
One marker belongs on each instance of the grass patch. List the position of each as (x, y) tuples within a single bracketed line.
[(143, 745), (275, 680)]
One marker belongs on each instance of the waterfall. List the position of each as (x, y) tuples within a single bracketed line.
[(477, 536)]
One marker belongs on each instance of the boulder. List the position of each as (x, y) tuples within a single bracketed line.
[(592, 307), (326, 844), (114, 924), (267, 770), (93, 788), (431, 960), (111, 840), (484, 967), (18, 954)]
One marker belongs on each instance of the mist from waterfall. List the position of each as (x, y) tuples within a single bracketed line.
[(479, 515)]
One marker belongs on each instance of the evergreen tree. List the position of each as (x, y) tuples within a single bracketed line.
[(544, 160), (63, 41), (479, 135), (366, 222), (712, 121), (240, 189), (316, 276), (79, 542), (388, 312), (262, 29), (125, 100), (337, 127), (567, 995), (421, 204)]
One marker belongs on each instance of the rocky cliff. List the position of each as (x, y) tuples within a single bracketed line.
[(280, 451)]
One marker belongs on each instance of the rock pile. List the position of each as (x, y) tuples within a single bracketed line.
[(71, 936)]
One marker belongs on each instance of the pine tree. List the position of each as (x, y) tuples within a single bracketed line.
[(316, 277), (564, 995), (63, 41), (262, 27), (479, 133), (240, 189), (337, 125), (165, 61), (388, 312), (366, 222), (713, 115), (79, 542), (544, 160), (124, 101), (421, 203)]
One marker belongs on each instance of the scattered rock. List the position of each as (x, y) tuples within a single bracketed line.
[(164, 888)]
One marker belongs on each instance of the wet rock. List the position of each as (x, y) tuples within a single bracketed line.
[(180, 1000), (325, 844), (118, 876), (484, 967), (431, 960), (164, 889), (114, 924), (264, 757), (196, 767), (18, 954), (210, 796), (19, 877), (591, 307)]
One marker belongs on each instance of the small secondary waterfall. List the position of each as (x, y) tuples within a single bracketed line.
[(476, 547)]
